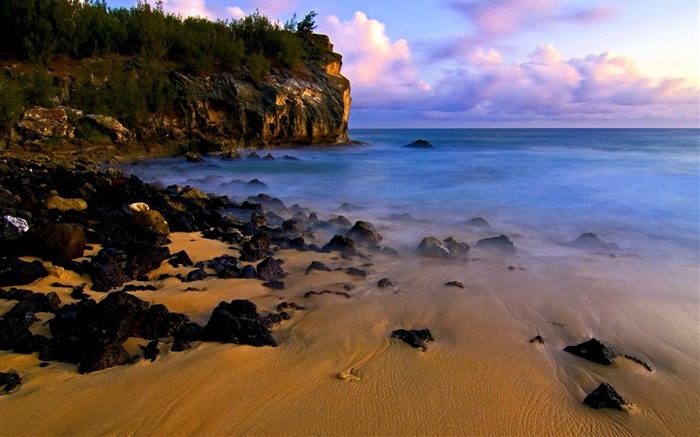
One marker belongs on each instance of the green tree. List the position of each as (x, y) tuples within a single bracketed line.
[(308, 24)]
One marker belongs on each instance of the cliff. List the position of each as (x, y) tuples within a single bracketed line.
[(307, 104)]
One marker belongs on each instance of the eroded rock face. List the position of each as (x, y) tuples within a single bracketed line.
[(111, 126), (38, 122)]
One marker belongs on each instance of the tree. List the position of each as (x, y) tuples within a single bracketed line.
[(308, 24)]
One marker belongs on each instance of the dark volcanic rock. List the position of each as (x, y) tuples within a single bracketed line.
[(275, 285), (605, 396), (344, 245), (385, 282), (196, 275), (420, 144), (454, 284), (226, 266), (10, 381), (14, 329), (501, 243), (478, 222), (105, 357), (180, 258), (238, 322), (14, 271), (317, 265), (188, 333), (248, 272), (364, 233), (537, 339), (432, 247), (257, 185), (415, 337), (269, 269), (593, 350), (147, 257), (352, 271), (150, 351), (58, 240), (590, 241), (455, 247), (106, 270)]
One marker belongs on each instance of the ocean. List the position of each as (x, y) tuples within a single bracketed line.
[(638, 188)]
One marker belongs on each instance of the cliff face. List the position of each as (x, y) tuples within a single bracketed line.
[(304, 105), (308, 105)]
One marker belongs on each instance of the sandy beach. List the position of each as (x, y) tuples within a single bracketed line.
[(337, 371)]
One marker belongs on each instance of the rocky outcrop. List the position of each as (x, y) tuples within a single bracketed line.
[(220, 112)]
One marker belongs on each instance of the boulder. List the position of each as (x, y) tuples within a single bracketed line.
[(419, 144), (63, 204), (111, 126), (364, 233), (149, 223), (344, 245), (193, 157), (187, 333), (434, 248), (605, 396), (38, 122), (238, 322), (106, 270), (150, 351), (136, 207), (14, 329), (11, 228), (590, 241), (317, 265), (386, 282), (593, 350), (269, 269), (58, 240), (455, 247), (14, 271), (415, 337), (196, 275), (105, 357), (454, 284), (478, 222), (9, 381), (226, 266), (501, 243)]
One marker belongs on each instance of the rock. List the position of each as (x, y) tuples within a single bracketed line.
[(14, 329), (269, 269), (339, 222), (150, 351), (385, 282), (593, 350), (147, 257), (226, 266), (537, 339), (58, 240), (590, 241), (14, 271), (238, 322), (605, 396), (639, 361), (420, 144), (105, 357), (248, 272), (196, 275), (38, 122), (269, 202), (364, 233), (290, 158), (456, 248), (275, 285), (352, 271), (111, 126), (292, 226), (149, 223), (415, 337), (390, 252), (193, 157), (62, 204), (501, 243), (269, 157), (344, 245), (432, 247), (11, 228), (9, 381), (253, 155), (478, 222), (257, 185), (191, 193), (454, 284), (106, 270), (136, 207), (188, 333), (317, 265)]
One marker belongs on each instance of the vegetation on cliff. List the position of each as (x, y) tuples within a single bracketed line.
[(136, 64)]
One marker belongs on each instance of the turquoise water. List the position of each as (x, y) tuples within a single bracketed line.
[(639, 188)]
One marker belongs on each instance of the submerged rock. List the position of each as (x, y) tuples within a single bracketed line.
[(605, 396), (501, 243), (432, 247), (420, 144), (364, 232), (478, 222), (415, 337), (593, 350), (590, 241)]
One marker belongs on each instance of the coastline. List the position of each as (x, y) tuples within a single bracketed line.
[(481, 375)]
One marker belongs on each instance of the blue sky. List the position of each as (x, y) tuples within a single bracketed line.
[(503, 63)]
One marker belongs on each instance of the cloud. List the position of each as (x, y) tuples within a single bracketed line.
[(501, 18), (236, 12), (600, 87), (188, 8), (375, 65)]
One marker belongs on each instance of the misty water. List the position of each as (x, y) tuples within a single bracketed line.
[(639, 188)]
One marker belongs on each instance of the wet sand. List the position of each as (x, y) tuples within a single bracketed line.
[(337, 371)]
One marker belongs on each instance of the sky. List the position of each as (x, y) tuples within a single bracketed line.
[(502, 63)]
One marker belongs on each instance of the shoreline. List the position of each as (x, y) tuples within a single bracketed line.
[(480, 375)]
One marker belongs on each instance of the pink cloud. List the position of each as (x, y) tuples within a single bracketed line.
[(188, 8), (375, 65)]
